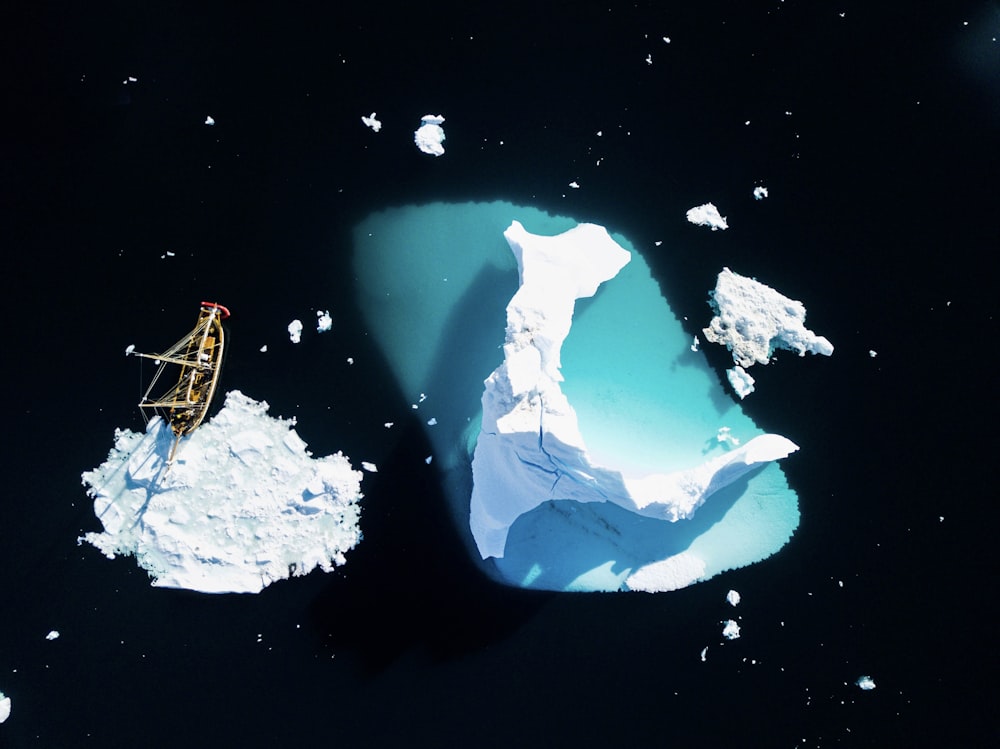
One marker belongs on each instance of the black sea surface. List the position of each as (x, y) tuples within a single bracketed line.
[(875, 131)]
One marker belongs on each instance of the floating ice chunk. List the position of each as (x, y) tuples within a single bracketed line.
[(704, 654), (873, 354), (725, 437), (52, 635), (209, 120), (4, 707), (730, 630), (129, 349), (865, 682), (323, 321), (741, 381), (370, 467), (263, 349), (575, 185), (759, 193), (430, 135), (707, 215), (431, 421), (295, 331), (695, 343), (372, 122), (753, 320), (243, 504), (733, 597)]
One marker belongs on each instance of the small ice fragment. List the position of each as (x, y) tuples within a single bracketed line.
[(130, 79), (295, 331), (350, 360), (707, 215), (52, 635), (210, 120), (733, 597), (428, 459), (423, 397), (872, 353), (129, 349), (430, 135), (263, 349), (4, 707), (866, 683), (694, 344), (575, 185), (431, 421), (649, 59), (759, 193), (704, 652), (741, 381), (370, 467), (723, 437), (666, 39), (323, 321), (388, 424), (371, 122), (731, 630)]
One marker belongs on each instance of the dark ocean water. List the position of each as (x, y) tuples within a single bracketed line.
[(876, 134)]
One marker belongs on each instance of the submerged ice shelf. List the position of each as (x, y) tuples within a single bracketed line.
[(243, 505), (434, 283)]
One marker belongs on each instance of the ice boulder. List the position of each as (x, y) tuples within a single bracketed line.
[(753, 321), (243, 504)]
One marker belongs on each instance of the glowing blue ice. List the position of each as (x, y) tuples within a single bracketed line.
[(434, 282)]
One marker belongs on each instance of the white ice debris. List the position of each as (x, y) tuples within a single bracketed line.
[(754, 320), (430, 135), (431, 421), (295, 331), (733, 597), (575, 185), (759, 193), (263, 349), (323, 321), (866, 683), (724, 437), (52, 635), (372, 122), (370, 467), (242, 505), (209, 120), (704, 654), (741, 381), (695, 343), (873, 354), (730, 630), (4, 707), (707, 215), (129, 349)]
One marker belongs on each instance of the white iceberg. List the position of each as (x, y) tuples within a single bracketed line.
[(754, 320), (741, 381), (295, 331), (865, 683), (4, 707), (733, 597), (707, 215), (644, 403), (323, 321), (759, 192), (530, 450), (52, 635), (243, 504), (730, 630), (372, 122), (430, 135)]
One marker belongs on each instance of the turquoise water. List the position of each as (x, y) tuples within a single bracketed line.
[(434, 281)]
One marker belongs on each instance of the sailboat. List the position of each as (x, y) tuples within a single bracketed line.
[(199, 355)]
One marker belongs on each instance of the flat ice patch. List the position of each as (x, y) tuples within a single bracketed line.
[(243, 504), (707, 215)]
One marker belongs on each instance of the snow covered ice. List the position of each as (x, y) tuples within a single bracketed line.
[(707, 215), (244, 503), (4, 707), (645, 497), (430, 135), (753, 320)]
